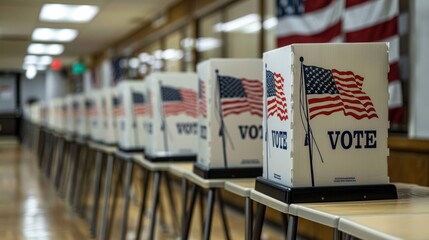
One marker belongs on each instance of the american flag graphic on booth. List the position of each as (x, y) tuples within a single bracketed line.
[(75, 105), (139, 103), (118, 109), (177, 101), (240, 95), (276, 98), (104, 107), (149, 103), (202, 104), (64, 110), (330, 90), (91, 109)]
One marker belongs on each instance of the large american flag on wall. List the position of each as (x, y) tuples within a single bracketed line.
[(240, 95), (179, 100), (331, 90), (318, 21), (276, 98)]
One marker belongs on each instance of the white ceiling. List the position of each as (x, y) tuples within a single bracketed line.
[(116, 19)]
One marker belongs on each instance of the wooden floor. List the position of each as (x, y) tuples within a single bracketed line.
[(30, 208)]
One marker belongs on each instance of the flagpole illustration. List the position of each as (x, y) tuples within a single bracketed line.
[(309, 134), (222, 124), (163, 124), (266, 121), (134, 117)]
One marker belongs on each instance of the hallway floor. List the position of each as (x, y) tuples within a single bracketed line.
[(30, 208)]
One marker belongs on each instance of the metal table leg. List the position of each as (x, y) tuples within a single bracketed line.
[(292, 227), (107, 183), (98, 163), (171, 199), (184, 202), (60, 164), (155, 202), (194, 193), (248, 221), (209, 213), (116, 188), (222, 214), (259, 222), (143, 203), (128, 178)]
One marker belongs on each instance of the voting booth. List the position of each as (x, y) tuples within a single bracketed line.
[(62, 111), (173, 123), (107, 119), (130, 107), (95, 115), (230, 118), (326, 124), (82, 113), (70, 116)]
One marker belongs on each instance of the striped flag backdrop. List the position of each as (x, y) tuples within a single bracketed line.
[(330, 90), (276, 98), (240, 95), (176, 101), (319, 21), (202, 105), (139, 103)]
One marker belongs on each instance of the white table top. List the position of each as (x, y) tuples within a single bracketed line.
[(181, 169), (126, 155), (329, 213), (205, 183), (269, 201), (102, 147), (387, 226), (241, 187), (151, 166)]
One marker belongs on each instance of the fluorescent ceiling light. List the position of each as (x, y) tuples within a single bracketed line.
[(54, 35), (206, 44), (172, 54), (42, 60), (39, 67), (68, 13), (237, 23), (48, 49), (31, 72)]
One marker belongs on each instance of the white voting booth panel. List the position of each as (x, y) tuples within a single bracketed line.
[(108, 117), (95, 115), (44, 114), (130, 108), (325, 114), (82, 122), (35, 113), (173, 122), (70, 116), (230, 117), (62, 106)]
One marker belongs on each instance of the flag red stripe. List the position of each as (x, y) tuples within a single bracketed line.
[(325, 36), (351, 3), (374, 33), (311, 6), (393, 72)]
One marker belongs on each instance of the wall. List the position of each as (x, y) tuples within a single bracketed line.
[(7, 93), (419, 52), (56, 84), (34, 88)]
